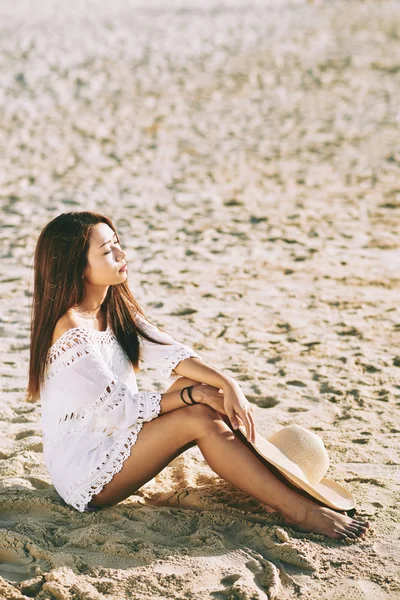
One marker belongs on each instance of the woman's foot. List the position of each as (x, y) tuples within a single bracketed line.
[(311, 518)]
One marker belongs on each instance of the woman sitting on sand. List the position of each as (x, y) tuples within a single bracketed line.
[(102, 438)]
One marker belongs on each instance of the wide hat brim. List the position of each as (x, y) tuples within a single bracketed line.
[(327, 491)]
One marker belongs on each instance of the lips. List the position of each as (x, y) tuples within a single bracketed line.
[(124, 268)]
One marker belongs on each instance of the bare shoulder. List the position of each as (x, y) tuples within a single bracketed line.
[(64, 323)]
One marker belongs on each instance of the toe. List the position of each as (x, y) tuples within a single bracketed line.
[(362, 528), (359, 533), (355, 529), (356, 525), (351, 534), (338, 534), (362, 523)]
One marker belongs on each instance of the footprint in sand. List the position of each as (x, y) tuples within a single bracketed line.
[(195, 500), (180, 498), (361, 589), (15, 562)]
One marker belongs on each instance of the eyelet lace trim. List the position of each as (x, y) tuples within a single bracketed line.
[(76, 333), (72, 344), (80, 494), (110, 398), (115, 393), (169, 362), (178, 351)]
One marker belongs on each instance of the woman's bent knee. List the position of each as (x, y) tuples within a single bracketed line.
[(201, 411), (199, 417)]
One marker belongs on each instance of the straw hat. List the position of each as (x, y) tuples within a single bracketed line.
[(301, 456)]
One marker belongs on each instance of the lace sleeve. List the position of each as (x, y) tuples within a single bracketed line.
[(87, 389), (164, 358)]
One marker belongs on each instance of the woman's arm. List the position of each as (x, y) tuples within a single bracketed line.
[(172, 401), (196, 369), (235, 402)]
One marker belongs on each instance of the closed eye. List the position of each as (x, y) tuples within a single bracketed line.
[(109, 252)]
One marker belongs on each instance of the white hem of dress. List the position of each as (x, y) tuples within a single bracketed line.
[(80, 494)]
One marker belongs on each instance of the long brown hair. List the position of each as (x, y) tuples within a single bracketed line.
[(59, 261)]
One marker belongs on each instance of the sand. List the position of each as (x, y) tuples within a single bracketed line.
[(248, 153)]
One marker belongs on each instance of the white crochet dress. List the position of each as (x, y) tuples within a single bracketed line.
[(91, 409)]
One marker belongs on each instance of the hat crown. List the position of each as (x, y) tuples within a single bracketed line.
[(304, 448)]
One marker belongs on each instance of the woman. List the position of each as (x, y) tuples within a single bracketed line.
[(103, 439)]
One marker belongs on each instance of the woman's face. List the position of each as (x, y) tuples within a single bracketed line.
[(105, 257)]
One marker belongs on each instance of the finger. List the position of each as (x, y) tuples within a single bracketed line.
[(251, 419), (252, 437), (248, 425)]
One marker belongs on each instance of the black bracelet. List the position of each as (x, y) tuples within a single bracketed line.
[(182, 390), (190, 394)]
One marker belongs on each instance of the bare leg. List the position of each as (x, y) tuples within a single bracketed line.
[(273, 469), (163, 438)]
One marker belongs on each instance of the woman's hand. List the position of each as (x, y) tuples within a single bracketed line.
[(231, 402), (238, 408), (208, 394)]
